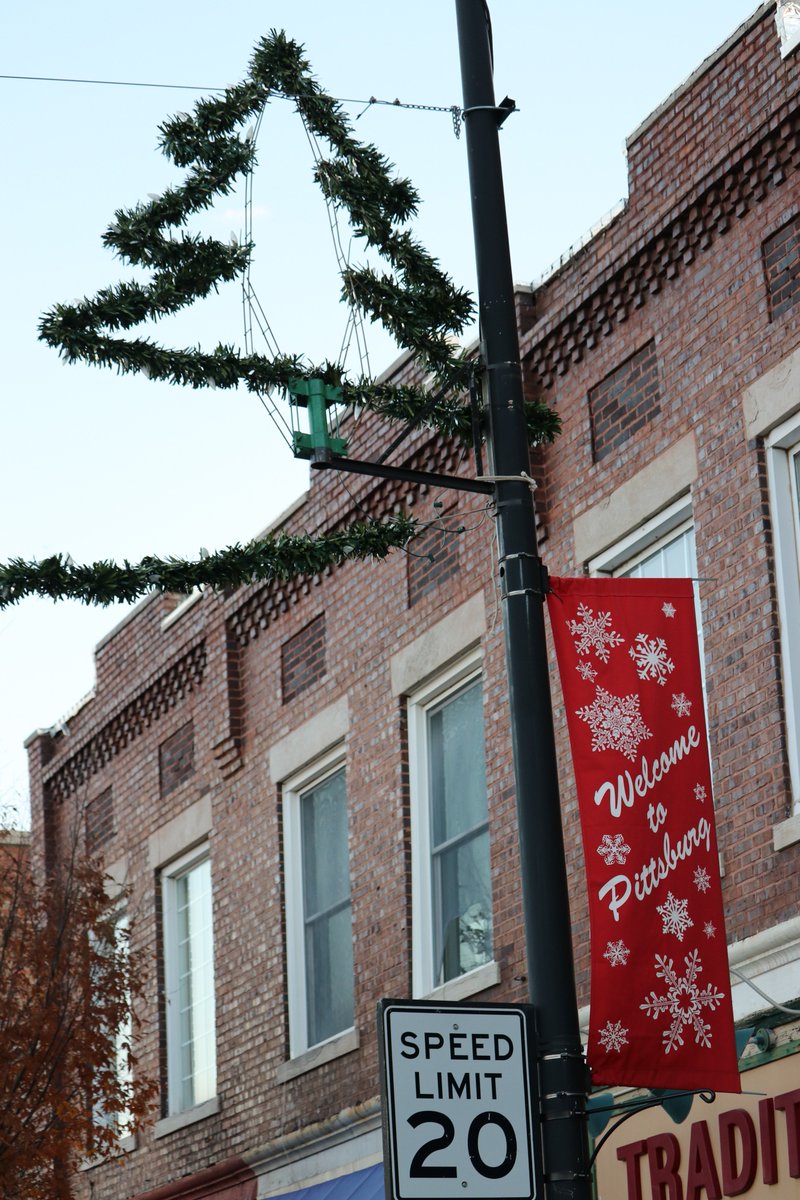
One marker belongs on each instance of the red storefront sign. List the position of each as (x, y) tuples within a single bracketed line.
[(660, 992), (726, 1157)]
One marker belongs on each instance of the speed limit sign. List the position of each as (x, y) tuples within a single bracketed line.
[(458, 1107)]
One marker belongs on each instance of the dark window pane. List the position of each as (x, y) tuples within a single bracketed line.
[(326, 871), (329, 967), (326, 909), (463, 898), (456, 764)]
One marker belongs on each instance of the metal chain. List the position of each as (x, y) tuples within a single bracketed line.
[(453, 109)]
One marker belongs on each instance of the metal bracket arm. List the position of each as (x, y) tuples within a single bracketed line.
[(356, 467)]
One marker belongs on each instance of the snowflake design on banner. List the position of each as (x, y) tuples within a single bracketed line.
[(699, 792), (615, 722), (702, 879), (674, 916), (613, 849), (616, 953), (668, 609), (681, 704), (683, 1002), (594, 633), (586, 671), (709, 929), (613, 1036), (651, 659)]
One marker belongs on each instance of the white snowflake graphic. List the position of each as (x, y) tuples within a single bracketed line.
[(586, 671), (651, 658), (702, 879), (594, 633), (699, 792), (616, 953), (709, 929), (613, 1036), (683, 1002), (674, 916), (668, 609), (613, 849), (615, 722), (681, 704)]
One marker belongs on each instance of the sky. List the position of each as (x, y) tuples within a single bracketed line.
[(104, 466)]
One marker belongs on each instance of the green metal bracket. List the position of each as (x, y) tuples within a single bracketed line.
[(317, 396)]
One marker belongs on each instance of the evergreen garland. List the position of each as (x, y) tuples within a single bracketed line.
[(280, 557), (414, 300)]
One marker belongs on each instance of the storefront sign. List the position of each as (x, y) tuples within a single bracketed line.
[(750, 1148)]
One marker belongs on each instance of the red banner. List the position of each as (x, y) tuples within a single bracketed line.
[(630, 672)]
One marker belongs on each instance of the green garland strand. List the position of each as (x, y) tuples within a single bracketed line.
[(281, 557)]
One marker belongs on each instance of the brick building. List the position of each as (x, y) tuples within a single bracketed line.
[(272, 772)]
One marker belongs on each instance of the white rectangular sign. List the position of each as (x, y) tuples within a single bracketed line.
[(457, 1098)]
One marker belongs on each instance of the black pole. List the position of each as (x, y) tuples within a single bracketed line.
[(551, 977)]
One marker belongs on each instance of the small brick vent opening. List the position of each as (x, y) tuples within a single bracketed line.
[(432, 559), (624, 402), (303, 659), (99, 818), (782, 268), (176, 758)]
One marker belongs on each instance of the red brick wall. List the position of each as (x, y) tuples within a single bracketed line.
[(99, 821), (682, 271), (782, 267), (624, 402), (432, 558), (176, 758), (303, 659)]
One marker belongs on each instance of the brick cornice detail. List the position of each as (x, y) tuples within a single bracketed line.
[(137, 715), (726, 194)]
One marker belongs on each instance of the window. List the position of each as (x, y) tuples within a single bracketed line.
[(452, 895), (783, 459), (662, 548), (189, 981), (319, 923), (787, 19), (120, 1067)]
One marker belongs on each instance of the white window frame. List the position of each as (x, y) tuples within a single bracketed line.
[(673, 521), (436, 690), (670, 522), (121, 1119), (787, 20), (783, 464), (294, 788), (170, 877)]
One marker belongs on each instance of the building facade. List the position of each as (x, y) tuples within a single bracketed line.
[(307, 787)]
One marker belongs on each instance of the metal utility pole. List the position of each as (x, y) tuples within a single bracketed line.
[(551, 977)]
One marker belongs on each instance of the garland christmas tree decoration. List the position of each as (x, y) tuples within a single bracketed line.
[(413, 299)]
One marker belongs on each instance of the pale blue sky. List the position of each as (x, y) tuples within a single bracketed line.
[(99, 465)]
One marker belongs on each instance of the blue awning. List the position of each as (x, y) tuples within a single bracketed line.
[(366, 1184)]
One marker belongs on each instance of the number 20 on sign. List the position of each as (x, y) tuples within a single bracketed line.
[(457, 1101)]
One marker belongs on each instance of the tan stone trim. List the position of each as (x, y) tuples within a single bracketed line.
[(644, 495)]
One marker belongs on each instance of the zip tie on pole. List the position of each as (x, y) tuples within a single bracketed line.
[(523, 477)]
